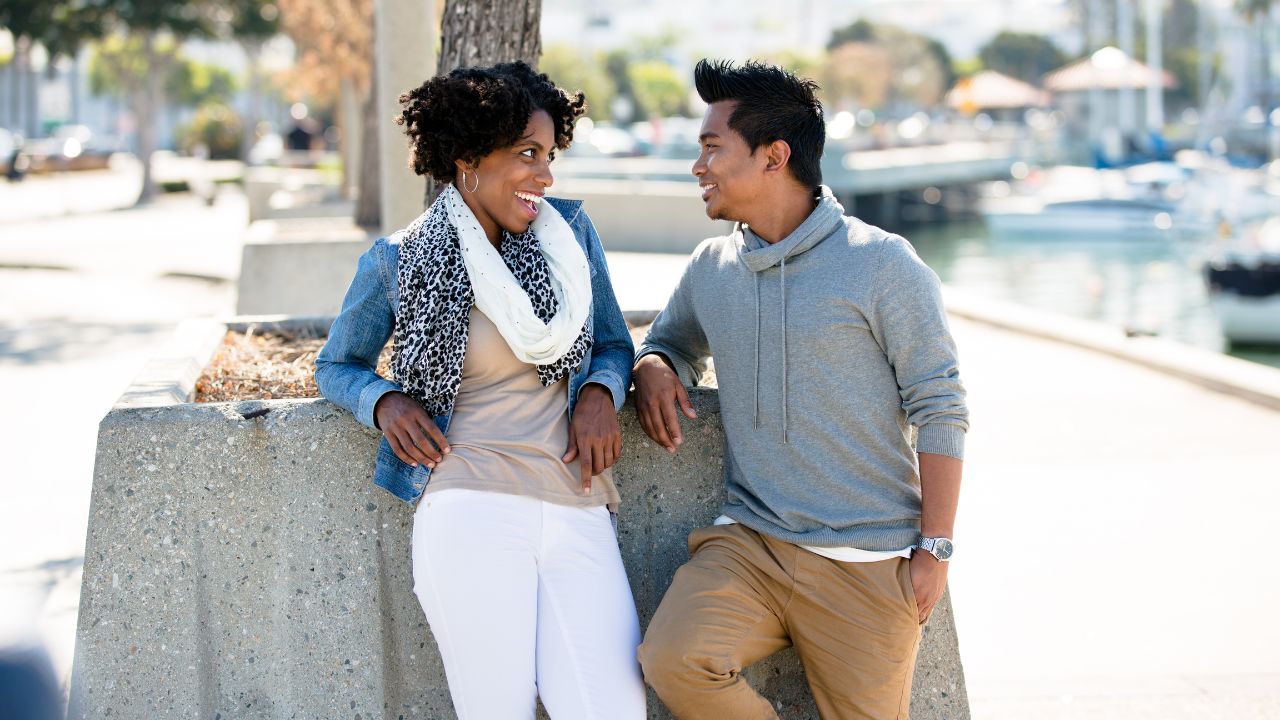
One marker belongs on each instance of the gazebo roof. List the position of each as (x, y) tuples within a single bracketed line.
[(1109, 69), (992, 90)]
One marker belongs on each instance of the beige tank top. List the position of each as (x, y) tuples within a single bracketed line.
[(508, 432)]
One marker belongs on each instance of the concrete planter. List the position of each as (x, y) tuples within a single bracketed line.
[(299, 265), (275, 190), (240, 563)]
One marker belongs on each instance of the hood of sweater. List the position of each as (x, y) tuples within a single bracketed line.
[(825, 219), (758, 255)]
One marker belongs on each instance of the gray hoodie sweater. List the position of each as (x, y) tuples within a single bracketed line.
[(833, 358)]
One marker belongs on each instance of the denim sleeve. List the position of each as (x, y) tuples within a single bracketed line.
[(611, 350), (346, 366)]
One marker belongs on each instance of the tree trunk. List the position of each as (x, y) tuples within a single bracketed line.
[(351, 140), (249, 133), (28, 115), (146, 104), (486, 32), (369, 196)]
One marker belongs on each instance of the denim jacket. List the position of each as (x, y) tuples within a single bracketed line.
[(345, 367)]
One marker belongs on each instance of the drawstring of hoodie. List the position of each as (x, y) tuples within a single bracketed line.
[(784, 349), (756, 375), (755, 383), (758, 256)]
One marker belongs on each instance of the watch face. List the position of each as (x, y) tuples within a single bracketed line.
[(943, 548)]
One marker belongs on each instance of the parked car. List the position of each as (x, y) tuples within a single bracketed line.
[(12, 162), (70, 147)]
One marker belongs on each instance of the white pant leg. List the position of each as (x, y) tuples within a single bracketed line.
[(588, 630), (475, 573)]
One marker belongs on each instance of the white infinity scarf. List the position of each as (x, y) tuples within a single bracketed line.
[(499, 295)]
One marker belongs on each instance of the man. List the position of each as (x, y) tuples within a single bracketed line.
[(832, 352)]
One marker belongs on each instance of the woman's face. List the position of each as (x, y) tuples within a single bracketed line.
[(512, 180)]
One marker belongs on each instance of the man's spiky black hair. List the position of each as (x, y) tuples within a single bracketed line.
[(772, 104)]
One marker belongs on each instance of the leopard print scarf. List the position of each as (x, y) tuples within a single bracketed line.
[(433, 321)]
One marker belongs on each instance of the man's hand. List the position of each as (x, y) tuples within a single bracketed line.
[(929, 578), (658, 389), (594, 433), (413, 435)]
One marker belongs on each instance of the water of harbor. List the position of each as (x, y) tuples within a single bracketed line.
[(1144, 285)]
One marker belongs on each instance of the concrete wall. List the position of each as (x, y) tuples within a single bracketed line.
[(240, 563)]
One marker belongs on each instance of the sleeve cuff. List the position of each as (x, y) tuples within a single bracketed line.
[(941, 439), (685, 371), (613, 382), (369, 397)]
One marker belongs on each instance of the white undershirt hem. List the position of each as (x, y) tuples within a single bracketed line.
[(842, 554)]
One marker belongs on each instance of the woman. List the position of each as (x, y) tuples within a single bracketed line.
[(512, 358)]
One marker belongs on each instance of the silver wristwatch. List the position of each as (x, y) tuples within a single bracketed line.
[(939, 547)]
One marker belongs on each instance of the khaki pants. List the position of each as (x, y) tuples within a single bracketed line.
[(744, 596)]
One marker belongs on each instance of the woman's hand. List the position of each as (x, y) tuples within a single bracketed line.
[(412, 433), (594, 433)]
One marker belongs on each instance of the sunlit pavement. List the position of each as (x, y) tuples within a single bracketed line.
[(1114, 535), (1113, 539)]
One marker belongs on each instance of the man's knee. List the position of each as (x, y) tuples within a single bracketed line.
[(661, 659)]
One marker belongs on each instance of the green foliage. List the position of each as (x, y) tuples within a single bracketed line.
[(252, 20), (217, 128), (1025, 56), (805, 66), (966, 67), (1181, 52), (859, 31), (871, 65), (62, 27), (944, 62), (192, 83), (119, 65), (659, 89), (1253, 9), (570, 69), (182, 18)]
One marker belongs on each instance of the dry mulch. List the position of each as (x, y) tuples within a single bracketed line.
[(267, 365), (276, 365)]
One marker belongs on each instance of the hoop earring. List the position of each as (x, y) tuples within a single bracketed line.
[(464, 181)]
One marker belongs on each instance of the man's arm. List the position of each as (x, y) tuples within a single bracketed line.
[(939, 497), (674, 353), (909, 319)]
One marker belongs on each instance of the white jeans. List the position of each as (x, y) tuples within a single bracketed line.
[(527, 598)]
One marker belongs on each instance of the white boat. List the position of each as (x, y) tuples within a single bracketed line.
[(1148, 201), (1088, 218), (1244, 286)]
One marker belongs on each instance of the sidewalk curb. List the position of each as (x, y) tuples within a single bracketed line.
[(1246, 380)]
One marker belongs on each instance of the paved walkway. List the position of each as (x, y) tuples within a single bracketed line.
[(1117, 530)]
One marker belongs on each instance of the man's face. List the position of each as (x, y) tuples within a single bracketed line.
[(728, 173)]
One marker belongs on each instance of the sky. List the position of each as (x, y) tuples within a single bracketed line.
[(738, 29)]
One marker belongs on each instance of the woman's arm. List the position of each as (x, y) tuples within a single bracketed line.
[(346, 367), (594, 433), (611, 350)]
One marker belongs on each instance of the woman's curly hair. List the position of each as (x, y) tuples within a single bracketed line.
[(471, 112)]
